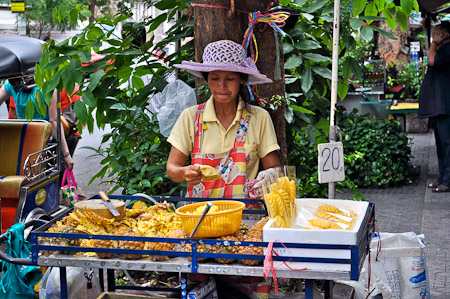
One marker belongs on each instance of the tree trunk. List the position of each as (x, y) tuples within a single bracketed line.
[(213, 24), (92, 9)]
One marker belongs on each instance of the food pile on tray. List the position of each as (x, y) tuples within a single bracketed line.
[(157, 221)]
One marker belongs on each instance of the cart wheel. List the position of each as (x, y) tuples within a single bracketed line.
[(36, 214)]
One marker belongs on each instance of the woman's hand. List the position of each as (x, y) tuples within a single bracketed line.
[(69, 162), (192, 174)]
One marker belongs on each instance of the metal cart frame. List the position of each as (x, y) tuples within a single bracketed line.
[(181, 264)]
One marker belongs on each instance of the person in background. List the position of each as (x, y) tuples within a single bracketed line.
[(23, 89), (225, 132), (48, 37), (434, 101)]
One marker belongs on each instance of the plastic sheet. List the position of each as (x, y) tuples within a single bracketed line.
[(175, 97)]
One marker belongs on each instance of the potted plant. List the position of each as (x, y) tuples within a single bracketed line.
[(411, 77)]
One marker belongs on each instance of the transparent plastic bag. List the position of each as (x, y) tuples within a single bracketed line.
[(175, 97), (279, 196)]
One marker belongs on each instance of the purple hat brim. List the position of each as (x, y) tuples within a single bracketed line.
[(197, 69)]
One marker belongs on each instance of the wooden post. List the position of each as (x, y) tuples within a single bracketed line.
[(213, 23)]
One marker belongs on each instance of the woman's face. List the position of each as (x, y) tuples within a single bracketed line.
[(224, 85)]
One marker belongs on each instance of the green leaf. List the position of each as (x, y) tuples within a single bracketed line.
[(95, 33), (73, 16), (119, 106), (55, 63), (29, 110), (94, 79), (156, 22), (342, 90), (68, 80), (356, 23), (85, 56), (137, 82), (322, 71), (301, 109), (40, 105), (307, 80), (402, 21), (367, 33), (316, 57), (80, 111), (384, 33), (287, 47), (306, 44), (293, 62), (380, 4), (88, 99), (166, 4), (356, 68), (86, 13), (390, 17), (145, 183), (372, 18), (370, 11), (358, 7), (407, 6), (315, 5)]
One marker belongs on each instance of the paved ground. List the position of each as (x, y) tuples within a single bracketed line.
[(415, 208)]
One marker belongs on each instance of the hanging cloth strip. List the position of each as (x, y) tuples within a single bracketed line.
[(257, 17), (268, 264)]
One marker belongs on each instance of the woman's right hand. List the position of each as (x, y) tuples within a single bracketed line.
[(192, 175)]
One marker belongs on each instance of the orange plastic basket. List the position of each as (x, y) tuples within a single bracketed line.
[(225, 222)]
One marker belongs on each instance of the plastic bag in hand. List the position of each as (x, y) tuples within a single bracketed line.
[(175, 97)]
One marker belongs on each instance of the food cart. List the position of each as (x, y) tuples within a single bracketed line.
[(185, 262)]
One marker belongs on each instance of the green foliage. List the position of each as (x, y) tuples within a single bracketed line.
[(107, 99), (382, 148), (135, 153), (408, 76)]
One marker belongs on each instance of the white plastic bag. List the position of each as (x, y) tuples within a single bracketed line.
[(400, 273), (175, 97), (76, 283)]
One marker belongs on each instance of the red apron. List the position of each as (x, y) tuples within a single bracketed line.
[(231, 165)]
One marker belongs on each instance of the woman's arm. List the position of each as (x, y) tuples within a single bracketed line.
[(271, 160), (3, 94), (178, 172), (53, 114)]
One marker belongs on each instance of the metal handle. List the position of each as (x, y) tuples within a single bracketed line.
[(208, 206), (147, 197)]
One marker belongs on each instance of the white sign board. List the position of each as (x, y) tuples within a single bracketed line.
[(331, 162), (414, 46), (415, 19)]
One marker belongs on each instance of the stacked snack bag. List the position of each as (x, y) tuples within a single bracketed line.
[(279, 196)]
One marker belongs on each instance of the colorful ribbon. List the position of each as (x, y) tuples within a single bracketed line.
[(268, 264), (257, 17)]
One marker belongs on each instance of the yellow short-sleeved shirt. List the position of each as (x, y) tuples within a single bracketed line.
[(260, 141)]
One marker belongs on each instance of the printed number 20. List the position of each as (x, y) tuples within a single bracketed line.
[(326, 153)]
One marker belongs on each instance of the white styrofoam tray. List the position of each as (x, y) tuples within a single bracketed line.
[(322, 236), (325, 237)]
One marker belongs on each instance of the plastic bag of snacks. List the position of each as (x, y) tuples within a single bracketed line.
[(279, 196)]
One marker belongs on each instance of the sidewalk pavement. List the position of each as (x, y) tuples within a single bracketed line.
[(415, 208)]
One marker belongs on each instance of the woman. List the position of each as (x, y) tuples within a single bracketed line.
[(225, 132), (23, 89)]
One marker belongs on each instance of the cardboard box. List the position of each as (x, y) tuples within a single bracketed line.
[(325, 237)]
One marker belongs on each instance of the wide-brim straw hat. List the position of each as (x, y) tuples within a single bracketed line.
[(225, 55)]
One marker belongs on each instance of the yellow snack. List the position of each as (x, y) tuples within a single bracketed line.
[(324, 224), (214, 209), (330, 208), (208, 173), (325, 215)]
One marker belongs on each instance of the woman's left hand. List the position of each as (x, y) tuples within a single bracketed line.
[(69, 162)]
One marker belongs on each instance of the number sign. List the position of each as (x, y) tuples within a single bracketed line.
[(331, 162)]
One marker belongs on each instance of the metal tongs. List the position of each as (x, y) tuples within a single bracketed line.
[(205, 211)]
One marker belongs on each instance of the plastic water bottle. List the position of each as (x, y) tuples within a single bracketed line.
[(415, 59)]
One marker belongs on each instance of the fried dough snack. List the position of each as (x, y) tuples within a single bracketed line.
[(208, 173)]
